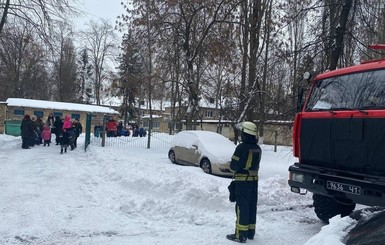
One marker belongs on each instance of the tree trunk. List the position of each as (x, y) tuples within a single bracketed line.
[(245, 45), (340, 32), (255, 27), (4, 17), (262, 97)]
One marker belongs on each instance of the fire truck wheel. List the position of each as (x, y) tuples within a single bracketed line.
[(325, 207), (347, 209)]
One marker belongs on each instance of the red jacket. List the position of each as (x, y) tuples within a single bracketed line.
[(112, 125)]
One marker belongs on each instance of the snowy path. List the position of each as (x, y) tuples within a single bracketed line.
[(132, 196)]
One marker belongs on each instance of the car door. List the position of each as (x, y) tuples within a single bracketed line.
[(185, 153), (192, 155), (180, 154)]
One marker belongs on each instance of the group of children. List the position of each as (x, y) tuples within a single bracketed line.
[(41, 132), (66, 132), (70, 133)]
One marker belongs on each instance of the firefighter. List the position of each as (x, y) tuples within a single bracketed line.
[(245, 165)]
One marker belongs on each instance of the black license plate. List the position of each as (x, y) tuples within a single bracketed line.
[(336, 186)]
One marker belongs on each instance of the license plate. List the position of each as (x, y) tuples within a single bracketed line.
[(352, 189)]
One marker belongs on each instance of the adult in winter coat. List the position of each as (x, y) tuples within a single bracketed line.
[(245, 163), (39, 123), (142, 132), (39, 128), (50, 122), (112, 128), (77, 127), (27, 129), (36, 139), (58, 124)]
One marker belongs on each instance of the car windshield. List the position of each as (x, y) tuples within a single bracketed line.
[(364, 90)]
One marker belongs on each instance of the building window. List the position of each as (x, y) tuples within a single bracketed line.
[(208, 113), (57, 114), (18, 112), (75, 116), (38, 114), (156, 124)]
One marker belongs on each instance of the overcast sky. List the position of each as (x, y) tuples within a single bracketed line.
[(95, 9)]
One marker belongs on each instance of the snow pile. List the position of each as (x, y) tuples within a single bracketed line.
[(334, 232)]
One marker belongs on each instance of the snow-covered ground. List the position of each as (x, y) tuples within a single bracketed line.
[(132, 195)]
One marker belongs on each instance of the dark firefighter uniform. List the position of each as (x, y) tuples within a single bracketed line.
[(245, 163)]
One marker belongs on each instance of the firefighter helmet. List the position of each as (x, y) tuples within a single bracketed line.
[(249, 128)]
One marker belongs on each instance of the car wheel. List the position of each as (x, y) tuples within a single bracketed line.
[(206, 165), (171, 156)]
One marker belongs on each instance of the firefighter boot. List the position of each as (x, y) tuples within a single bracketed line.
[(250, 234), (233, 237)]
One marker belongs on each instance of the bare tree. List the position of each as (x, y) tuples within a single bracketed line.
[(193, 44), (84, 75), (37, 13), (65, 70), (340, 27), (191, 22), (253, 37), (22, 64), (197, 21), (99, 41), (65, 87), (292, 52)]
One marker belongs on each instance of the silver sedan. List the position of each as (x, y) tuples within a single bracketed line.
[(208, 150)]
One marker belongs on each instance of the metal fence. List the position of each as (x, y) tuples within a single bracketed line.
[(157, 140)]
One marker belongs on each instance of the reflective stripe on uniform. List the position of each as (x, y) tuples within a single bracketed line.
[(242, 227), (239, 227), (238, 178), (245, 177), (237, 222), (249, 160), (235, 158)]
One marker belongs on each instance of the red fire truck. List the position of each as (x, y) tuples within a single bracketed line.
[(339, 140)]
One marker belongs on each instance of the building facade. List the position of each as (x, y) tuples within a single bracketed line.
[(13, 110)]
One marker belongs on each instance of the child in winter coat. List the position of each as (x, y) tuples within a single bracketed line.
[(67, 124), (64, 141), (46, 135), (65, 135)]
